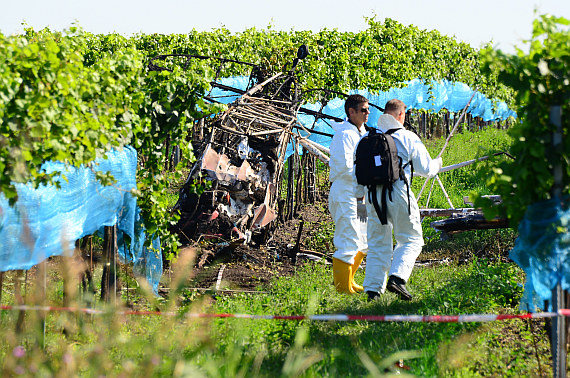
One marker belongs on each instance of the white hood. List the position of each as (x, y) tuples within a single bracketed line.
[(387, 122)]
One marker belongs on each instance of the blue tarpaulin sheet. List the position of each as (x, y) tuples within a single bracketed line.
[(542, 250), (416, 94), (48, 220)]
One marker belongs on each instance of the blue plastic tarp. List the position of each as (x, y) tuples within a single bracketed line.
[(416, 94), (542, 250), (47, 221)]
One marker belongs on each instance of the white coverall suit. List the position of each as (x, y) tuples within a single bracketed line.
[(381, 259), (350, 233)]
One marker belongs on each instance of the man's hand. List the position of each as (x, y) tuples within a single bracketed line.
[(361, 212), (435, 167)]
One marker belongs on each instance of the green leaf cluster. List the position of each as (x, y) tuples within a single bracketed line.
[(541, 81), (381, 57), (73, 96), (53, 107)]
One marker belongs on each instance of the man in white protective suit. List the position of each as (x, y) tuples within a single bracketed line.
[(403, 220), (348, 212)]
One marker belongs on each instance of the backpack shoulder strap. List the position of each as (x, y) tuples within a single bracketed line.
[(402, 174), (391, 131), (373, 198)]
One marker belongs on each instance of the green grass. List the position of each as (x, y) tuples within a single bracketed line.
[(462, 181), (76, 344), (478, 287), (94, 345)]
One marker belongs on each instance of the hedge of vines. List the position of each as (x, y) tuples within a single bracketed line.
[(378, 58), (71, 96), (541, 80), (57, 104)]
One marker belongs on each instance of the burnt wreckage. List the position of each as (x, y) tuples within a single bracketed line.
[(242, 157), (241, 160)]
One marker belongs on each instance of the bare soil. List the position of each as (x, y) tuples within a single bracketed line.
[(242, 267), (223, 266)]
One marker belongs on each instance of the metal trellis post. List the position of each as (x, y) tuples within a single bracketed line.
[(558, 339)]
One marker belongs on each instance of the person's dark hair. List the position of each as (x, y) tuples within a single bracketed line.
[(353, 101), (394, 106)]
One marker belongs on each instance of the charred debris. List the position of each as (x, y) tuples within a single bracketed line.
[(241, 158)]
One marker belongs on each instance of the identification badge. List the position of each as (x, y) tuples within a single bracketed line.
[(377, 160)]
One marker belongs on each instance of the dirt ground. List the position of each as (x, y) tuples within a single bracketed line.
[(223, 266), (217, 265)]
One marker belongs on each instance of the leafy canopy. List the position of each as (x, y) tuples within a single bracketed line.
[(541, 80)]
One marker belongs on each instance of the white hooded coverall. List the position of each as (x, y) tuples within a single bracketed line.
[(381, 259), (349, 233)]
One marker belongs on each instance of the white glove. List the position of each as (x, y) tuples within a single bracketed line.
[(439, 163), (435, 167), (361, 212)]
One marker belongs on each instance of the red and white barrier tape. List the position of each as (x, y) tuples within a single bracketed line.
[(329, 317)]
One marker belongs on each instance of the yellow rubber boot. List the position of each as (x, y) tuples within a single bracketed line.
[(357, 261), (342, 273)]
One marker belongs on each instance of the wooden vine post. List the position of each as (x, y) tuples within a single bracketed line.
[(40, 297), (558, 339), (311, 181), (19, 299), (299, 190), (292, 163), (109, 277)]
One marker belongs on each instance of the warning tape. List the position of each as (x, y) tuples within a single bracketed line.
[(329, 317)]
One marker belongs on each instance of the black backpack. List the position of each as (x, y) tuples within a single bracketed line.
[(377, 163)]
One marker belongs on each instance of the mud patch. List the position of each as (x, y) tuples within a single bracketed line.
[(222, 266)]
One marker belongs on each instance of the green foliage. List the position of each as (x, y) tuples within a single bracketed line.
[(175, 344), (495, 346), (49, 102), (171, 104), (489, 284), (493, 244), (378, 58), (72, 97), (477, 287), (320, 233), (541, 80)]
